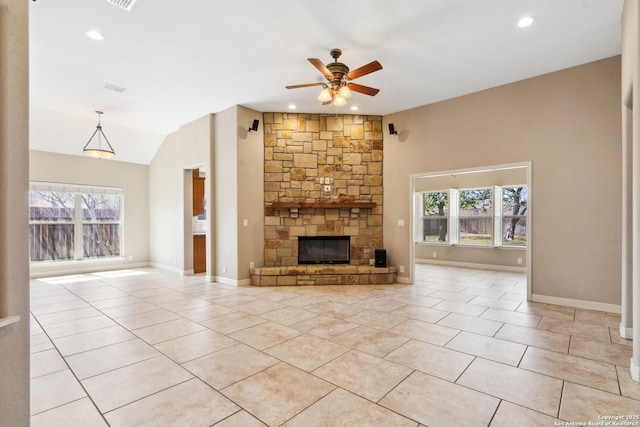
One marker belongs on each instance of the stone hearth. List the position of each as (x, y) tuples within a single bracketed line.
[(311, 275)]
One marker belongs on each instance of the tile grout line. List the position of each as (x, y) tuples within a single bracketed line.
[(76, 378)]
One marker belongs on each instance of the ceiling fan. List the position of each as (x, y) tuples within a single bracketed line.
[(339, 85)]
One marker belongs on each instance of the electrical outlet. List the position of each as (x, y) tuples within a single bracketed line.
[(401, 269), (401, 223), (327, 188), (252, 265), (435, 254), (224, 269), (519, 260), (372, 261), (245, 222), (130, 257)]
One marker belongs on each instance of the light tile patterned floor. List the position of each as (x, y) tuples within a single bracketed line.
[(459, 348)]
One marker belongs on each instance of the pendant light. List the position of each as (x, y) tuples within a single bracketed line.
[(99, 150)]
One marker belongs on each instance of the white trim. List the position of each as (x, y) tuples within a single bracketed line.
[(60, 187), (63, 268), (242, 282), (626, 333), (166, 267), (6, 321), (472, 265), (635, 371), (576, 303)]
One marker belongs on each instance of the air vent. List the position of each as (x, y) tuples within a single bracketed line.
[(114, 88), (123, 4)]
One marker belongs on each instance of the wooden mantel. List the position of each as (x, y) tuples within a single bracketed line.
[(323, 205)]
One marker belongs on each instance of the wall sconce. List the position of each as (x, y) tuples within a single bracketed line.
[(254, 125), (392, 129)]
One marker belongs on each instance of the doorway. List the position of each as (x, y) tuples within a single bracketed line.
[(466, 218), (199, 221)]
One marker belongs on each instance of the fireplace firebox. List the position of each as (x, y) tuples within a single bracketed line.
[(324, 249)]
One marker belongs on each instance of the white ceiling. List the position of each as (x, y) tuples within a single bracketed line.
[(180, 60)]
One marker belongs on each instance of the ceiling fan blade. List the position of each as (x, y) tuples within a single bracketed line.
[(363, 89), (321, 67), (304, 85), (364, 70)]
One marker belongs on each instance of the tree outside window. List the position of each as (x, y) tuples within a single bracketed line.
[(435, 216), (514, 219), (476, 216), (62, 222)]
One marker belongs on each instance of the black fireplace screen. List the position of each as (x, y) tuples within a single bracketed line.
[(323, 250)]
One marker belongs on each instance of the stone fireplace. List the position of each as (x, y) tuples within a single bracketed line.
[(323, 177)]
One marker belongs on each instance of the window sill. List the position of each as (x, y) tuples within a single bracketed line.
[(463, 245)]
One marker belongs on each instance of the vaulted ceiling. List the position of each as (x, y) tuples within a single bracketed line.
[(179, 60)]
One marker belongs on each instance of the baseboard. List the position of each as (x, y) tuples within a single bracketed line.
[(635, 371), (404, 280), (81, 267), (472, 265), (576, 303), (626, 333), (226, 281), (170, 268)]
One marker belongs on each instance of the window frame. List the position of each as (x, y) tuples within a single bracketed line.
[(453, 235), (79, 222), (423, 216), (490, 216)]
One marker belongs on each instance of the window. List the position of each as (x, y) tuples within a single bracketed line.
[(514, 219), (494, 216), (435, 213), (74, 222), (476, 217)]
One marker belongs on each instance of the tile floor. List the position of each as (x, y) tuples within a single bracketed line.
[(459, 348)]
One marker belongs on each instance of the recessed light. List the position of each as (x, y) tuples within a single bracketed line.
[(94, 35), (525, 21), (354, 108), (292, 106)]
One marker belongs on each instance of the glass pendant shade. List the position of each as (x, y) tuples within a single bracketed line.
[(344, 92), (95, 147), (325, 95), (338, 101)]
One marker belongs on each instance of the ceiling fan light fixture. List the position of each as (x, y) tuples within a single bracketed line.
[(344, 92), (325, 95), (338, 101), (95, 147)]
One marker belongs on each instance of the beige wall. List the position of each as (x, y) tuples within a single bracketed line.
[(133, 178), (233, 161), (165, 196), (170, 196), (14, 170), (568, 125), (225, 178), (251, 200)]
